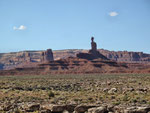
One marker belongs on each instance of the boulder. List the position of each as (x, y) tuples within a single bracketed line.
[(32, 107), (137, 110), (45, 111), (97, 110), (105, 90), (112, 90), (82, 108), (58, 108), (70, 107), (65, 111), (55, 108), (6, 107), (143, 109)]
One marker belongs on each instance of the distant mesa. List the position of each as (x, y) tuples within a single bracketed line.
[(74, 61), (24, 59), (93, 61), (92, 53)]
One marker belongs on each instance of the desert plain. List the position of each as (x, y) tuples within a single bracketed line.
[(92, 93)]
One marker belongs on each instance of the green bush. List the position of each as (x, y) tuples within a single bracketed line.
[(51, 94)]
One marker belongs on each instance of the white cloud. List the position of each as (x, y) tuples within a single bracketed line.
[(21, 27), (113, 13)]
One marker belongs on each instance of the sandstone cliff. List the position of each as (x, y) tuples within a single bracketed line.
[(24, 58), (75, 65), (120, 56), (125, 56), (15, 59)]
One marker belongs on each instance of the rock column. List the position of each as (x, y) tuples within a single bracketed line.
[(47, 56)]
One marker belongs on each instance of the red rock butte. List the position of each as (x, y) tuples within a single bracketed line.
[(93, 53), (91, 62)]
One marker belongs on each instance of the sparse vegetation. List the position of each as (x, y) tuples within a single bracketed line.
[(51, 94), (115, 89)]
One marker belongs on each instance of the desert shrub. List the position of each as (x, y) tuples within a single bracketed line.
[(134, 100), (28, 88), (148, 102), (143, 101), (125, 98), (76, 99), (17, 111), (51, 94), (116, 103)]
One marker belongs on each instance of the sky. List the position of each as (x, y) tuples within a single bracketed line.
[(118, 25)]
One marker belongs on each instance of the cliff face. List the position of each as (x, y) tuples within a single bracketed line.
[(120, 56), (75, 65), (12, 60), (24, 58), (125, 56)]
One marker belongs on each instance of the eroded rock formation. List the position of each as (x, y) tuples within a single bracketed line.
[(24, 58), (74, 65), (93, 45), (13, 59), (93, 53), (125, 56), (47, 56)]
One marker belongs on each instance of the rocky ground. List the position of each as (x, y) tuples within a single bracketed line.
[(91, 93)]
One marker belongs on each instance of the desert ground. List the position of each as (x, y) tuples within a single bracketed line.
[(92, 93)]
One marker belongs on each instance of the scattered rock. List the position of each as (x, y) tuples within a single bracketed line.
[(45, 111), (65, 111), (110, 108), (32, 107), (108, 83), (143, 109), (57, 108), (130, 89), (70, 107), (105, 90), (82, 108), (6, 107), (137, 110), (97, 110), (143, 89), (112, 90)]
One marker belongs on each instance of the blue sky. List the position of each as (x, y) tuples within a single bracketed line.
[(69, 24)]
